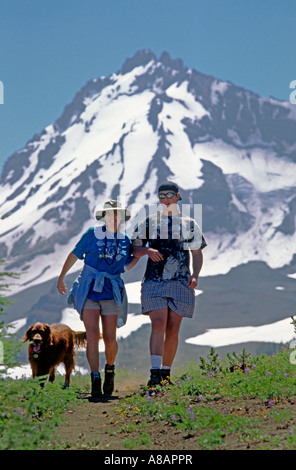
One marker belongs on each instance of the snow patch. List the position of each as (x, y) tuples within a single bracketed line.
[(279, 332)]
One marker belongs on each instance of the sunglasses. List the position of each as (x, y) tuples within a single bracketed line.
[(111, 212), (168, 195)]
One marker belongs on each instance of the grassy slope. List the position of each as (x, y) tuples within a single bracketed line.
[(241, 402)]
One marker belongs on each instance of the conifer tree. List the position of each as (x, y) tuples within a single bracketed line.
[(9, 346)]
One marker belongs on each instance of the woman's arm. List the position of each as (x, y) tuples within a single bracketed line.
[(70, 261), (132, 263)]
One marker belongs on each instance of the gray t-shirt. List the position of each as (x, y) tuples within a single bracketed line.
[(173, 237)]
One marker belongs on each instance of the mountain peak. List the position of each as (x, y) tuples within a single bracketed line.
[(226, 148), (142, 57), (166, 60)]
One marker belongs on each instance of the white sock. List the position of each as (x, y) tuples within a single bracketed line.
[(155, 361), (166, 367)]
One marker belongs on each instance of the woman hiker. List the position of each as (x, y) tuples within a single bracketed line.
[(98, 292)]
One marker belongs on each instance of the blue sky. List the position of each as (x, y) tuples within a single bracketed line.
[(50, 49)]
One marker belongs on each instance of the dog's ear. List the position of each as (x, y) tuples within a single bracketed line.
[(49, 334), (27, 335)]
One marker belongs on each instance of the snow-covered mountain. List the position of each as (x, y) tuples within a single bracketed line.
[(227, 148)]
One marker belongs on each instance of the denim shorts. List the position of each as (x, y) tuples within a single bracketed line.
[(175, 295), (107, 307)]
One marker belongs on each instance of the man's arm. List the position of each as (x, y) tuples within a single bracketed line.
[(139, 250), (197, 262)]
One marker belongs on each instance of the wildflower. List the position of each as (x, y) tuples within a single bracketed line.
[(267, 374), (285, 374), (20, 412), (254, 366), (200, 396), (247, 370), (148, 397), (173, 418), (191, 413), (271, 402)]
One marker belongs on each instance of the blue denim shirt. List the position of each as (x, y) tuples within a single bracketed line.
[(82, 283)]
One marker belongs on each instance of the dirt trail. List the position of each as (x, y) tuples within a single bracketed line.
[(100, 426), (90, 425)]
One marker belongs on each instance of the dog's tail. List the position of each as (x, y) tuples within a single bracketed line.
[(81, 340)]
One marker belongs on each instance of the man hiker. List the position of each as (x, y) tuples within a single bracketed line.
[(167, 294)]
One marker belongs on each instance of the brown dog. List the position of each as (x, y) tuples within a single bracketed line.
[(51, 345)]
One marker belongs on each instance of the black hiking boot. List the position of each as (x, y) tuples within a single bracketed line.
[(155, 378), (166, 377), (108, 386), (96, 391)]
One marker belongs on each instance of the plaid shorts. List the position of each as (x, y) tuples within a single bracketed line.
[(175, 295)]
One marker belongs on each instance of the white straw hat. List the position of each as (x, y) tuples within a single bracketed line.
[(112, 205)]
